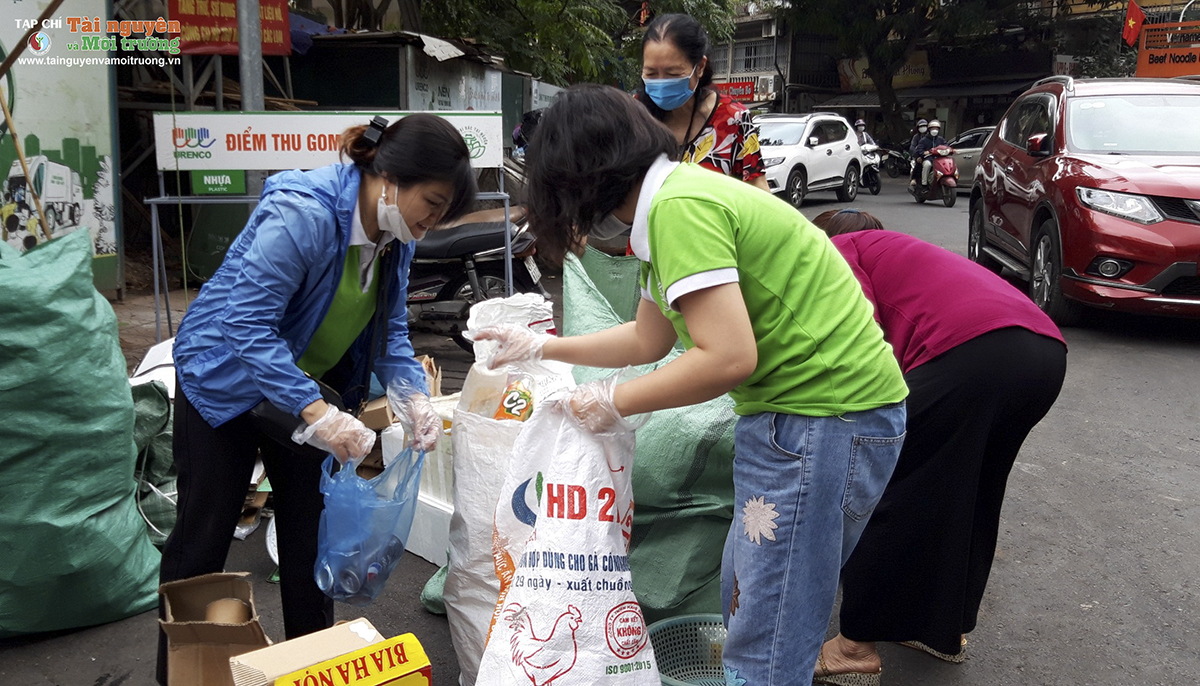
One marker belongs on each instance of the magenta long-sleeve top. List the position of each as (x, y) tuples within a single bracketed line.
[(929, 300)]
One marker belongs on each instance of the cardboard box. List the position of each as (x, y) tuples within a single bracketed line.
[(198, 651), (350, 653), (377, 415)]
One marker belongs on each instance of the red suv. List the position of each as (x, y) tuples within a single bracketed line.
[(1090, 190)]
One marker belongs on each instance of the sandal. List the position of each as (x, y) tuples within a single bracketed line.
[(824, 676), (956, 659)]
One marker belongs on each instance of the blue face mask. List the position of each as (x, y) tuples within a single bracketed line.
[(669, 94)]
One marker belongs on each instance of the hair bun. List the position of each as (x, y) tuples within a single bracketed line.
[(358, 147)]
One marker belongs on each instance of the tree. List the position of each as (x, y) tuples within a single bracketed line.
[(565, 41), (887, 32), (1097, 44)]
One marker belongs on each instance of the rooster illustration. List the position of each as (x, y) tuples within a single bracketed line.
[(543, 659)]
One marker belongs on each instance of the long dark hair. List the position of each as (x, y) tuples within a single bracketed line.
[(415, 149), (686, 34), (593, 144)]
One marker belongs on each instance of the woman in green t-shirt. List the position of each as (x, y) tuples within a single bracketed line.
[(770, 313)]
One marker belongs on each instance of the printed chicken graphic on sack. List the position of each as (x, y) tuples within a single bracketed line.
[(543, 659)]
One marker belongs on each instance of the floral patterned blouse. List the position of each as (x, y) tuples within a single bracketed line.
[(728, 143)]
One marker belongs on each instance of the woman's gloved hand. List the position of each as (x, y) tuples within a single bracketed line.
[(338, 433), (514, 344), (419, 419), (593, 405)]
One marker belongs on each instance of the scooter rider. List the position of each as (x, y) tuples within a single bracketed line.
[(922, 129), (864, 138), (931, 140)]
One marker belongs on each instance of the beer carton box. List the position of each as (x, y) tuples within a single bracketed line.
[(353, 653)]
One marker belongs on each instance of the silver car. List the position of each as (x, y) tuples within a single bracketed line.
[(967, 146)]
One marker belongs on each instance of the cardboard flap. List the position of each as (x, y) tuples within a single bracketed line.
[(249, 634), (263, 667), (186, 600)]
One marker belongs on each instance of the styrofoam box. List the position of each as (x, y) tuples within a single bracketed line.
[(430, 534)]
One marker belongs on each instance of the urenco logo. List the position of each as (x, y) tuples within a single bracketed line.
[(192, 143)]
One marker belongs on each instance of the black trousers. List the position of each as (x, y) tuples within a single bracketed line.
[(920, 569), (215, 466)]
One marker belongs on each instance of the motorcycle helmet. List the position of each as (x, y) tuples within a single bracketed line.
[(935, 127), (922, 125), (860, 125)]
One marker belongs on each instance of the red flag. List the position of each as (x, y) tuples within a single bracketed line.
[(1134, 16)]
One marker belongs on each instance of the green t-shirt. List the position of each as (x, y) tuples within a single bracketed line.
[(820, 352), (348, 315)]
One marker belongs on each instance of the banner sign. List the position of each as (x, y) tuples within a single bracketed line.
[(1169, 50), (63, 107), (210, 27), (737, 90), (293, 140)]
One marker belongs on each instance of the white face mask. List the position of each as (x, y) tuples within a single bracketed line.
[(934, 132), (391, 220), (922, 129), (609, 228)]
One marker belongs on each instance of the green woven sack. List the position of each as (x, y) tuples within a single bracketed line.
[(73, 550), (683, 469)]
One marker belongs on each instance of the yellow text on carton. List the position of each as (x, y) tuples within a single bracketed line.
[(400, 661)]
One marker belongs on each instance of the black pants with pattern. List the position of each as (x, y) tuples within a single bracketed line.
[(922, 564)]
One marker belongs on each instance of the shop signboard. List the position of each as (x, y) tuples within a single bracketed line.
[(915, 72), (61, 94), (1169, 50), (741, 90), (292, 140)]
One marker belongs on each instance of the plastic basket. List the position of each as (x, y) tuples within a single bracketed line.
[(688, 649)]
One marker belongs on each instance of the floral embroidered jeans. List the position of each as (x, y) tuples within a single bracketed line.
[(804, 488)]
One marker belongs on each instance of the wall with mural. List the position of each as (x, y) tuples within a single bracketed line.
[(62, 111)]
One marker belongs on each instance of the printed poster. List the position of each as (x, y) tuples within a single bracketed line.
[(61, 96)]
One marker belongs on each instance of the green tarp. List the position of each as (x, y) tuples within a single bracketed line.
[(683, 470), (73, 549)]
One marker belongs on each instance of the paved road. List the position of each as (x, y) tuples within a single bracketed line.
[(1096, 578)]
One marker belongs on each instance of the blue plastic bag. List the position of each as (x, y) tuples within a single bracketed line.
[(364, 527)]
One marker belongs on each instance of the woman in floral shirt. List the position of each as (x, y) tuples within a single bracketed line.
[(712, 130)]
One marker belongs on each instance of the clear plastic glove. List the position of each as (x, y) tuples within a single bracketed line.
[(593, 406), (514, 343), (416, 414), (338, 433)]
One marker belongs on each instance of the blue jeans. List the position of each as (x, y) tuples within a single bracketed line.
[(804, 488)]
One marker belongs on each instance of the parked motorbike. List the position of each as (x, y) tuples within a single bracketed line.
[(870, 173), (943, 178), (458, 267), (897, 162)]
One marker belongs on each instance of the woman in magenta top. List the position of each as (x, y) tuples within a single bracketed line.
[(983, 366)]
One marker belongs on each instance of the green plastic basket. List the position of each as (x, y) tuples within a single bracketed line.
[(688, 650)]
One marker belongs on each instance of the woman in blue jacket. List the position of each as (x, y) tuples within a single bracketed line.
[(298, 298)]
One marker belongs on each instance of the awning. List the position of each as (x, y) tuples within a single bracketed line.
[(967, 90), (852, 101)]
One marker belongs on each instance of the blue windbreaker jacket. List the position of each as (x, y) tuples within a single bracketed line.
[(241, 337)]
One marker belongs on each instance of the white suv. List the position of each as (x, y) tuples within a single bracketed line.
[(810, 152)]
